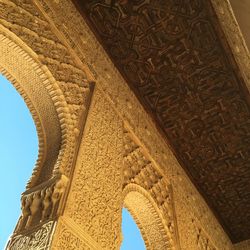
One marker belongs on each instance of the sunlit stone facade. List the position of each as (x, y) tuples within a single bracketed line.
[(98, 148)]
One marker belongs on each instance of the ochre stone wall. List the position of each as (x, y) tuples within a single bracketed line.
[(94, 201), (245, 245), (197, 226), (99, 161)]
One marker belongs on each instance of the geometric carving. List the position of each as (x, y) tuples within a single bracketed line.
[(38, 239), (41, 203), (140, 174), (145, 69), (173, 55), (203, 243), (24, 19)]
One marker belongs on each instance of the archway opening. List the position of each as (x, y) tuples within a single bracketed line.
[(132, 238), (148, 217), (18, 155)]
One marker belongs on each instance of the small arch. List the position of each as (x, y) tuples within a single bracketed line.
[(148, 217)]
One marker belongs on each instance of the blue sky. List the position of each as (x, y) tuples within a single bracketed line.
[(18, 154), (132, 239)]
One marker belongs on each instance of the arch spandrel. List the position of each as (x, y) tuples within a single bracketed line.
[(28, 78), (47, 86), (64, 78)]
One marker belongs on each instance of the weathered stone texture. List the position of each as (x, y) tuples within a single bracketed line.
[(94, 201), (191, 209), (121, 153), (245, 245)]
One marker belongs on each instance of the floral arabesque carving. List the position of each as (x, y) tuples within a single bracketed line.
[(176, 58), (42, 203), (39, 239), (70, 89), (140, 170)]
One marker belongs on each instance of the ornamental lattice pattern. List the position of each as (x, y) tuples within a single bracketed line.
[(24, 19), (37, 239), (140, 170), (174, 56)]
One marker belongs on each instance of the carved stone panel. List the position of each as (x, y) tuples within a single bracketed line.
[(95, 197), (140, 170), (37, 239), (175, 58)]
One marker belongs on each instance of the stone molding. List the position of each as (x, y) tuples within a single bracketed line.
[(69, 235), (187, 200), (234, 36), (191, 210), (38, 239)]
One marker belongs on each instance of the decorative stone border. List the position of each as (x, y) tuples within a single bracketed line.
[(51, 98)]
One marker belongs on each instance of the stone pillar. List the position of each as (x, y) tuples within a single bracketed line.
[(82, 211), (244, 245), (92, 215), (41, 207)]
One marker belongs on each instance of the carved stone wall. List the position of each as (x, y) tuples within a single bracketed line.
[(31, 82), (156, 230), (95, 197), (91, 218), (70, 236), (24, 20), (143, 176), (190, 206), (55, 89), (245, 245), (175, 57)]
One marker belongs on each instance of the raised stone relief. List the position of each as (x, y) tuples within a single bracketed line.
[(38, 239), (41, 203), (139, 169)]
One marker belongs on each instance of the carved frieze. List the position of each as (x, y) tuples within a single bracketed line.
[(38, 239), (41, 203), (175, 58)]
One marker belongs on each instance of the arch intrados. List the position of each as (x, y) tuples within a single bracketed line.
[(33, 81), (37, 121), (147, 216)]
